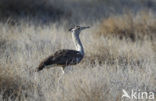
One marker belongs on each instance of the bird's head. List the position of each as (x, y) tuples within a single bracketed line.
[(78, 29)]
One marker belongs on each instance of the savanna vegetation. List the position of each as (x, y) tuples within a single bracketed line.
[(120, 49)]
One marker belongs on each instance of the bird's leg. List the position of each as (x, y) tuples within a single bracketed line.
[(62, 69), (60, 78), (68, 69)]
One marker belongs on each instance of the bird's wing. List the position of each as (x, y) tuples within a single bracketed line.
[(63, 56), (66, 53), (67, 57)]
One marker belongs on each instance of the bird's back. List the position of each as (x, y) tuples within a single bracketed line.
[(62, 57)]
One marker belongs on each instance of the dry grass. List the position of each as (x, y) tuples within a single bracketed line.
[(120, 50), (110, 65), (139, 26)]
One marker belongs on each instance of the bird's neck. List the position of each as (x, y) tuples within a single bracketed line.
[(77, 43)]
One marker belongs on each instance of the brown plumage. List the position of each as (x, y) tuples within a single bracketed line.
[(66, 57), (62, 58)]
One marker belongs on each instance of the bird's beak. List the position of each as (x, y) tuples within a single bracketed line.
[(85, 27)]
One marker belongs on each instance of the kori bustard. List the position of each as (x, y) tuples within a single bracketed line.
[(66, 57)]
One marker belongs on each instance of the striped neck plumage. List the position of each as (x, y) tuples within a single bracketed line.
[(77, 42)]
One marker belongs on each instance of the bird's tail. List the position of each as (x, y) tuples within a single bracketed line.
[(40, 67)]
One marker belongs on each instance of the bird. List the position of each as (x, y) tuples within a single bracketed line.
[(66, 57)]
